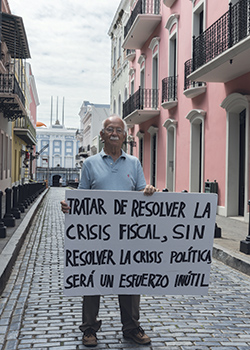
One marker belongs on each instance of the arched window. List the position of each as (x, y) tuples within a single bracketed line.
[(142, 63), (170, 125), (196, 118)]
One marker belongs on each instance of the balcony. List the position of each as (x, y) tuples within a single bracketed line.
[(130, 55), (24, 129), (221, 53), (192, 88), (82, 153), (168, 3), (12, 100), (141, 106), (142, 22), (169, 92)]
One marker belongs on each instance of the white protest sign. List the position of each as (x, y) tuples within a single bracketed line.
[(119, 242)]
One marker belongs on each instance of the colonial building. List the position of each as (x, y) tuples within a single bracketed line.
[(119, 86), (17, 131), (91, 117), (188, 109), (56, 152)]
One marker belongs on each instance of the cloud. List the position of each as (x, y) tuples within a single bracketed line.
[(70, 51)]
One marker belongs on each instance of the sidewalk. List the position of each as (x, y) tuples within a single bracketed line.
[(12, 243), (226, 248)]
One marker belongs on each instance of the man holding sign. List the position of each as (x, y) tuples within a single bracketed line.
[(113, 169)]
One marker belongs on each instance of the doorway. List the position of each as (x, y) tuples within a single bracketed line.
[(56, 180), (242, 154)]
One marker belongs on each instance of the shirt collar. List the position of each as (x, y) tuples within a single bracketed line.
[(103, 154)]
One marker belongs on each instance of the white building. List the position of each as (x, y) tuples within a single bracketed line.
[(119, 88), (57, 160), (91, 115)]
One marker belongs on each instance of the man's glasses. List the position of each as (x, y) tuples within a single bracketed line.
[(110, 130)]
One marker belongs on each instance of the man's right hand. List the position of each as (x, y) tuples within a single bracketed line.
[(64, 207)]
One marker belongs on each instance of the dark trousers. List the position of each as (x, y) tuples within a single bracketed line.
[(129, 310)]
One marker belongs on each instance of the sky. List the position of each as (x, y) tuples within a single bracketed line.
[(70, 53)]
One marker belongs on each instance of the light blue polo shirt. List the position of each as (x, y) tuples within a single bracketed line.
[(100, 172)]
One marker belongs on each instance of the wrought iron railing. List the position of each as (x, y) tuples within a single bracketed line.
[(142, 7), (129, 52), (141, 99), (169, 89), (25, 123), (226, 32), (188, 84), (10, 85)]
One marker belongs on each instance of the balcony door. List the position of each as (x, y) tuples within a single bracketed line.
[(242, 154), (153, 156), (237, 171), (197, 121), (155, 82), (196, 156), (171, 158)]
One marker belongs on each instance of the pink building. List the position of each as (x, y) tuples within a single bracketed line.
[(188, 109), (34, 103)]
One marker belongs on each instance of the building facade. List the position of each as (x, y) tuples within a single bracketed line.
[(56, 152), (91, 118), (17, 128), (188, 109), (119, 85)]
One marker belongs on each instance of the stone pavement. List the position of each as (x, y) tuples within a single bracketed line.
[(34, 314)]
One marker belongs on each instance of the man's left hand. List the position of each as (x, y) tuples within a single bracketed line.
[(149, 190)]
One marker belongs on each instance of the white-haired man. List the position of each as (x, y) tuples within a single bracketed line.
[(113, 169)]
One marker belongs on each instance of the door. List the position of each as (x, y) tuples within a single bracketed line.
[(242, 144)]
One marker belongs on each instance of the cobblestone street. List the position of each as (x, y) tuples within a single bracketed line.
[(36, 315)]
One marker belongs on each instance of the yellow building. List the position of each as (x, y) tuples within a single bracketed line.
[(17, 131)]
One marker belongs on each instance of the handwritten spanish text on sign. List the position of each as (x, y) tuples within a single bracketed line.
[(129, 243)]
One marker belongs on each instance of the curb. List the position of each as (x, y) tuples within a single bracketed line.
[(234, 260), (12, 248)]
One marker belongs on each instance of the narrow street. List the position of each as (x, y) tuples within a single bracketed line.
[(34, 314)]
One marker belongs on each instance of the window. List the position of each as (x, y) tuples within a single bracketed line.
[(153, 154), (140, 136), (68, 162), (43, 144), (132, 81), (69, 147), (57, 146), (170, 126), (196, 118), (125, 94), (114, 57), (120, 105), (132, 89), (172, 26), (142, 63), (199, 24), (120, 47), (154, 46), (57, 161)]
